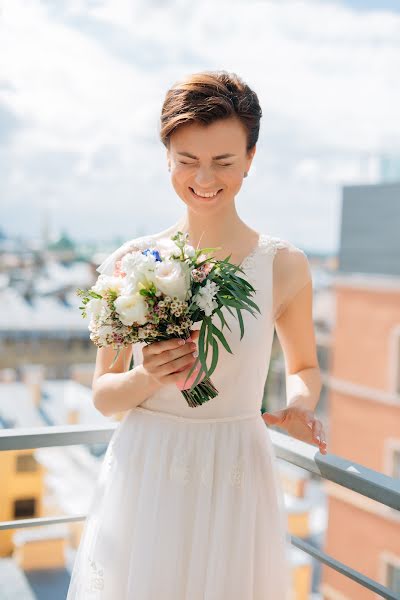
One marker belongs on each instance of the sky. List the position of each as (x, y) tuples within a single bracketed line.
[(82, 84)]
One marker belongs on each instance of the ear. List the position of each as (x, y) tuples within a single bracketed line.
[(250, 156)]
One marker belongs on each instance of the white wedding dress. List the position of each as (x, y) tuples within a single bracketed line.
[(188, 504)]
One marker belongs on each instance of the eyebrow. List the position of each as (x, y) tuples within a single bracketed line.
[(214, 157)]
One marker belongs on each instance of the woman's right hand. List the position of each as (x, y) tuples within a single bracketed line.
[(170, 361)]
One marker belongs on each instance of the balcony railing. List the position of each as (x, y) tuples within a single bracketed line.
[(348, 474)]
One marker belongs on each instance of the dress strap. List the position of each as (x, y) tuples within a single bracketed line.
[(267, 244)]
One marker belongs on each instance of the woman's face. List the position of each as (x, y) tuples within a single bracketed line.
[(209, 158)]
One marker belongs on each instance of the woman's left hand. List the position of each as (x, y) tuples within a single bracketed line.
[(300, 423)]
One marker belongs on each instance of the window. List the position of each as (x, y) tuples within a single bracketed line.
[(391, 464), (396, 463), (26, 463), (393, 578), (394, 360), (24, 508)]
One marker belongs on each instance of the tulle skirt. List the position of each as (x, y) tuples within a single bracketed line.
[(185, 509)]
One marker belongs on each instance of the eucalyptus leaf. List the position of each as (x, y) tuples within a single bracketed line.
[(222, 319), (215, 357), (222, 300), (240, 319), (221, 337)]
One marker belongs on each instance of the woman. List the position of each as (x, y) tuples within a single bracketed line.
[(188, 504)]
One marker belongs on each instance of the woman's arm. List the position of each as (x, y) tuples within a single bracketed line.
[(119, 389), (295, 330), (292, 312)]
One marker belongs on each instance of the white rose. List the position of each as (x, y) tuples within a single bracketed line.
[(131, 309), (107, 282), (172, 278)]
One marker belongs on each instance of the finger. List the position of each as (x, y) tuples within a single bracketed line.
[(317, 427), (194, 335), (308, 417), (269, 418), (158, 347), (275, 418), (319, 436), (323, 439)]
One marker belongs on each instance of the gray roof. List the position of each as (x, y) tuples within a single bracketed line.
[(43, 314)]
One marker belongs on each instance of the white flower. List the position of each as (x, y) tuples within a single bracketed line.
[(130, 286), (172, 277), (104, 331), (107, 282), (131, 309), (166, 247), (135, 262), (95, 306), (129, 262), (189, 251), (205, 297), (144, 243)]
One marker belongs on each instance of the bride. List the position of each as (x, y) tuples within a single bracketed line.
[(188, 503)]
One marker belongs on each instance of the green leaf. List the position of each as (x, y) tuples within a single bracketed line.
[(232, 302), (199, 375), (222, 319), (94, 295), (240, 319), (222, 300), (202, 345), (209, 333), (221, 337), (214, 358)]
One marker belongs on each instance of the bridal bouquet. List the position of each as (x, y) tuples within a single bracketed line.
[(159, 292)]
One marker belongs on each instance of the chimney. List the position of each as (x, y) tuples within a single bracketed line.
[(33, 377)]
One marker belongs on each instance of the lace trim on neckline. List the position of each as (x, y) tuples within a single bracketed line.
[(267, 244)]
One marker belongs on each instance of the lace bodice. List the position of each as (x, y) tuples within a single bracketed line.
[(278, 270)]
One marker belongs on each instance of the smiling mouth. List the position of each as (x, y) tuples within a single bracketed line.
[(203, 197)]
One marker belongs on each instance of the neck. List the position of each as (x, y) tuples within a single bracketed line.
[(212, 230)]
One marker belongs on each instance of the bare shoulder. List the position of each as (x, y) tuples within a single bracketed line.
[(292, 269), (291, 274), (288, 256)]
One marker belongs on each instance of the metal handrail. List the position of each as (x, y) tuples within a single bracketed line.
[(349, 474)]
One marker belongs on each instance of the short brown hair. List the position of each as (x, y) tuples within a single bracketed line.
[(206, 97)]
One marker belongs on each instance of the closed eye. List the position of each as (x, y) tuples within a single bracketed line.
[(185, 163)]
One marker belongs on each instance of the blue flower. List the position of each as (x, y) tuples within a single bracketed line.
[(155, 253)]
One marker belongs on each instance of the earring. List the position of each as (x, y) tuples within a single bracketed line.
[(245, 174)]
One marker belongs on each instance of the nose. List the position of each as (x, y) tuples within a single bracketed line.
[(204, 177)]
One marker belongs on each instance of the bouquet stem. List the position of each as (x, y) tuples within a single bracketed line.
[(202, 392)]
